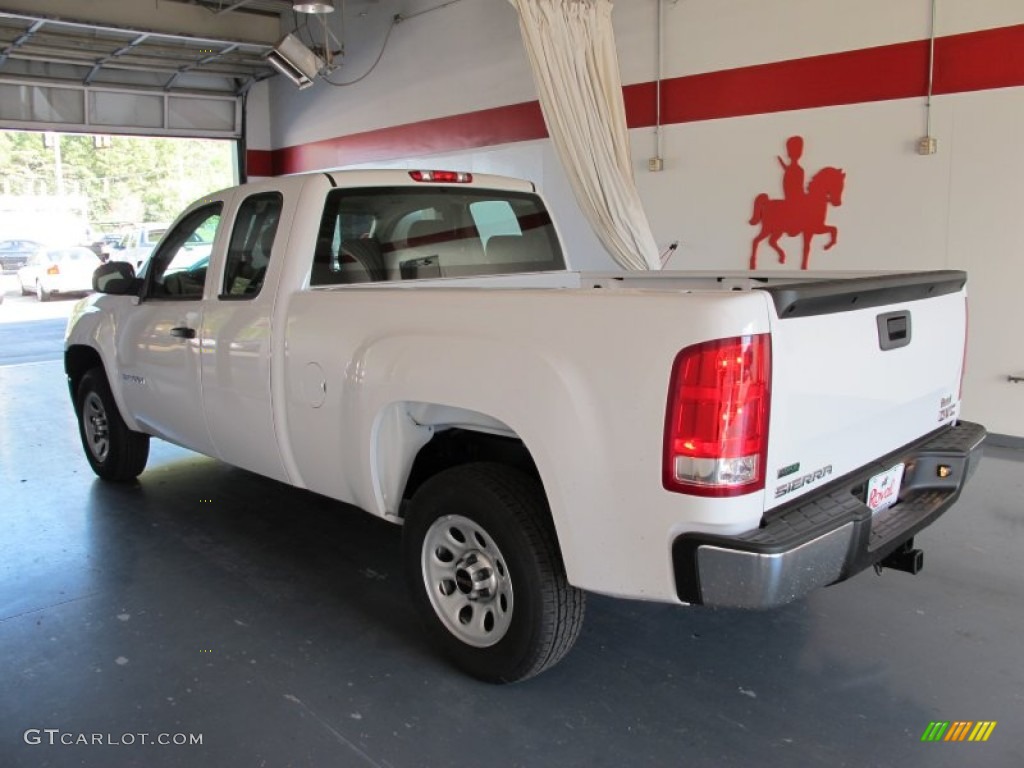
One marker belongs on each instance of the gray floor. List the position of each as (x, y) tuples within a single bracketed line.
[(206, 600)]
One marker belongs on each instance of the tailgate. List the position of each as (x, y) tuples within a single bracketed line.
[(860, 367)]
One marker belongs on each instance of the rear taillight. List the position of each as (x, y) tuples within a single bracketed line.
[(963, 363), (53, 270), (716, 422), (442, 177)]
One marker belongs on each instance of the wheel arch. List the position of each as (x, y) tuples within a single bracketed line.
[(78, 360), (413, 441)]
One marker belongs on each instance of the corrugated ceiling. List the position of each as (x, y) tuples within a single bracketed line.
[(46, 48)]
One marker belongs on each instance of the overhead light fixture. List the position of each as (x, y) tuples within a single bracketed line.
[(295, 61), (324, 6)]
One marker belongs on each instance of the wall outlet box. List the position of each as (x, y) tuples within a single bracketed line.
[(656, 164), (927, 145)]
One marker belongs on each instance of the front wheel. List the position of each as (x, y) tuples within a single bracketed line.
[(486, 574), (114, 451)]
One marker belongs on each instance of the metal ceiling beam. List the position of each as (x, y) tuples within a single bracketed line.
[(232, 7), (239, 70), (272, 8), (21, 40), (174, 17), (99, 48), (202, 62), (125, 32), (119, 52)]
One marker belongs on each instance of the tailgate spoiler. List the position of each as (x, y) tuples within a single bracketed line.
[(825, 297)]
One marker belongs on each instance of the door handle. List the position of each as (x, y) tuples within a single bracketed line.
[(183, 332), (894, 329)]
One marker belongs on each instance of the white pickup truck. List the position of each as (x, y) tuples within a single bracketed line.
[(415, 344)]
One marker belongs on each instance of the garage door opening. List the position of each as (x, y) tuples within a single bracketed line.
[(64, 189)]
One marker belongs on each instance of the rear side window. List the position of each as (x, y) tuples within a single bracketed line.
[(402, 233), (252, 240)]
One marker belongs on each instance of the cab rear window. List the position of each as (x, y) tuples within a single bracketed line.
[(400, 233)]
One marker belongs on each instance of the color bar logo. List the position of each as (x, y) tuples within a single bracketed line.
[(959, 730)]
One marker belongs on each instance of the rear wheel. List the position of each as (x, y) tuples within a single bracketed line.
[(486, 575), (114, 451), (41, 293)]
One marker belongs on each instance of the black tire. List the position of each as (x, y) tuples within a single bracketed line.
[(41, 293), (115, 452), (535, 615)]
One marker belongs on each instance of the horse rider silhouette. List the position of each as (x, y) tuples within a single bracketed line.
[(798, 213)]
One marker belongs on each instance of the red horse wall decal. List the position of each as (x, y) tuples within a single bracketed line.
[(798, 212)]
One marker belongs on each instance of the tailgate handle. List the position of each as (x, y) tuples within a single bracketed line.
[(894, 329)]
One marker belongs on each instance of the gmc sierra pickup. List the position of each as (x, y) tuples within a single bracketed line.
[(414, 343)]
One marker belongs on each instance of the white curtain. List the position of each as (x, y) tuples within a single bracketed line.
[(571, 47)]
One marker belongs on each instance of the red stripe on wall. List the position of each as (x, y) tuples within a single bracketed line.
[(852, 77), (978, 61), (259, 162), (502, 125), (640, 100), (968, 62)]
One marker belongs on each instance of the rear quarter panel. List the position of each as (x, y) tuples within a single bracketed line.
[(581, 376)]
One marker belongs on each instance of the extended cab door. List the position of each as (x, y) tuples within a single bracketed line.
[(159, 346), (236, 360)]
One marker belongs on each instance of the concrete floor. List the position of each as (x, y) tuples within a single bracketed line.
[(276, 624)]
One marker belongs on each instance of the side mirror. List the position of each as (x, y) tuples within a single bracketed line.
[(115, 277)]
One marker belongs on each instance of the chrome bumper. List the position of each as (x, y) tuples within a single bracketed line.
[(829, 535)]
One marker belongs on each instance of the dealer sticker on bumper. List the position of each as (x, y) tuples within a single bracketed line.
[(884, 488)]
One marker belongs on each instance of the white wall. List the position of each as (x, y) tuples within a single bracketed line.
[(986, 237), (257, 126), (960, 208), (457, 59), (894, 202)]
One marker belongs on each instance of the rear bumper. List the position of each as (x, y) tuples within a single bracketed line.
[(66, 284), (830, 535)]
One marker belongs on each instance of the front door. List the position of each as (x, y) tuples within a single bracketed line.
[(159, 349)]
